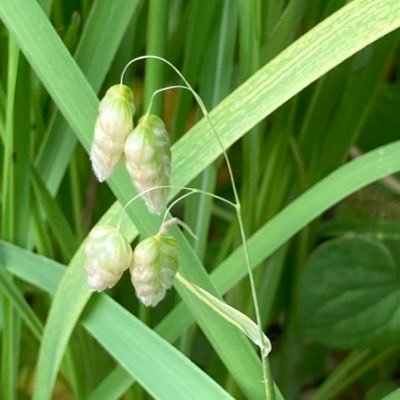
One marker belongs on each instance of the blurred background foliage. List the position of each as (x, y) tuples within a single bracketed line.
[(329, 297)]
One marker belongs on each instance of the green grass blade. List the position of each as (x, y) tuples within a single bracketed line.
[(249, 57), (113, 386), (231, 314), (10, 334), (40, 234), (63, 317), (395, 395), (183, 380), (7, 183), (14, 296), (22, 151), (10, 290), (156, 39), (46, 5), (215, 85), (59, 224), (322, 104), (285, 28), (358, 95), (8, 356), (98, 45), (76, 195), (335, 39), (194, 52)]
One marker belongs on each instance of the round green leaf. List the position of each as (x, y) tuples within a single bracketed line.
[(350, 294)]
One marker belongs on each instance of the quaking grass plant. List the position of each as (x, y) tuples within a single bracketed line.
[(303, 96), (154, 262)]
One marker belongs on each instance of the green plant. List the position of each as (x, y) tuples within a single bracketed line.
[(304, 97)]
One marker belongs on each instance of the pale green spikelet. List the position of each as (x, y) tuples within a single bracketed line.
[(114, 123), (148, 161), (108, 255), (154, 266)]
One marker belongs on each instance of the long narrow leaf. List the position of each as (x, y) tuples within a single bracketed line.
[(232, 315), (101, 36), (10, 290)]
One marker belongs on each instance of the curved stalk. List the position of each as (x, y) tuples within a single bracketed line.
[(160, 91), (269, 389), (192, 190)]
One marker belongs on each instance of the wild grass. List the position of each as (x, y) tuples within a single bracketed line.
[(305, 97)]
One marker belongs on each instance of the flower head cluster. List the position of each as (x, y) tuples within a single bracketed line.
[(147, 147), (112, 127), (148, 161), (153, 264), (108, 255)]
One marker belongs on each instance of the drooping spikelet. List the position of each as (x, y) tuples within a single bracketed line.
[(113, 125), (108, 255), (148, 161), (154, 266)]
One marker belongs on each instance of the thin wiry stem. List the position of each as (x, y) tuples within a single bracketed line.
[(269, 389), (160, 91), (192, 190), (175, 202)]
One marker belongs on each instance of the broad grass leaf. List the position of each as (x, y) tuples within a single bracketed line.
[(395, 395)]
